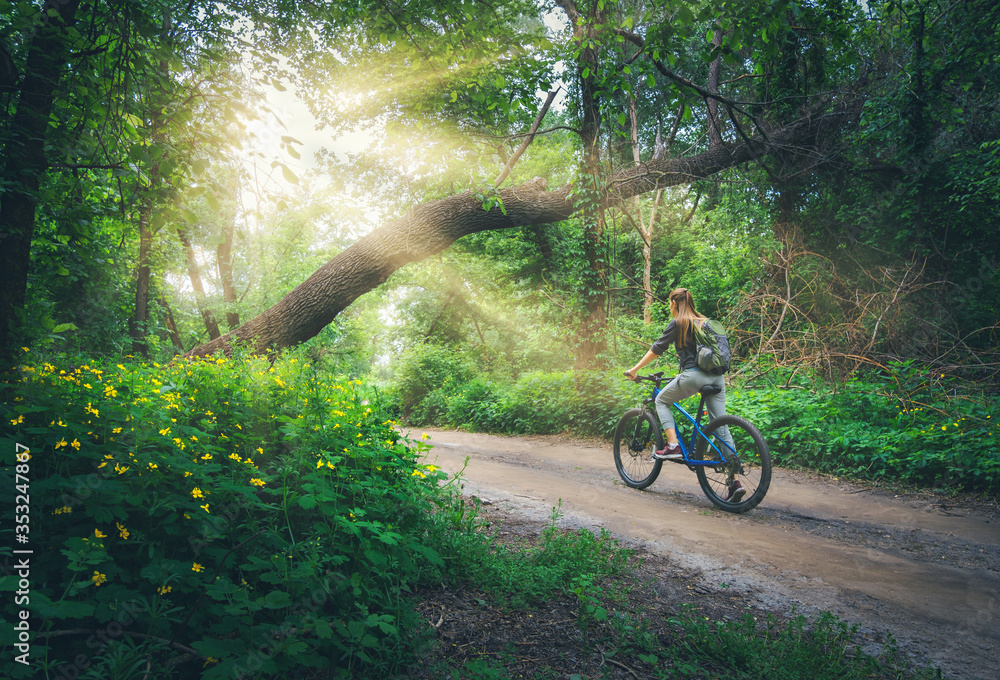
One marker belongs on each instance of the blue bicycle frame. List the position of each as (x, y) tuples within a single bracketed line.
[(696, 432)]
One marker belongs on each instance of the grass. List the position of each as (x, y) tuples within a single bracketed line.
[(584, 593)]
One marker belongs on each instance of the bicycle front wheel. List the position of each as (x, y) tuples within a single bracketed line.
[(740, 483), (636, 437)]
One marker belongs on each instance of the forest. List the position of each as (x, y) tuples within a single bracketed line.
[(245, 246)]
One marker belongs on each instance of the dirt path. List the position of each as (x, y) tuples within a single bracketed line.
[(914, 566)]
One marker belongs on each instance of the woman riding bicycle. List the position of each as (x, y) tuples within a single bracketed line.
[(680, 333)]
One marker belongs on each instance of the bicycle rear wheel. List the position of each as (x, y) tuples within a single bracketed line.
[(636, 437), (749, 464)]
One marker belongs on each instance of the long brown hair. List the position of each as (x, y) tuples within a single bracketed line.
[(685, 317)]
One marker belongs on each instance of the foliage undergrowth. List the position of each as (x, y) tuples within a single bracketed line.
[(237, 518), (519, 576), (743, 649), (902, 425), (219, 518)]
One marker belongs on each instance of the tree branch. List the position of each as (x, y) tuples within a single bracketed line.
[(429, 228), (527, 140)]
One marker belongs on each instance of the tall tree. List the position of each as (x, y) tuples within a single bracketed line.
[(118, 116), (24, 154)]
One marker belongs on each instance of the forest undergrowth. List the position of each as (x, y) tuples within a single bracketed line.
[(902, 423), (238, 518)]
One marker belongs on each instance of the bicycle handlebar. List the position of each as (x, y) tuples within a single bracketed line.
[(655, 377)]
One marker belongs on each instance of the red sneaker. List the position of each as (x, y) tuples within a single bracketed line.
[(669, 453), (736, 492)]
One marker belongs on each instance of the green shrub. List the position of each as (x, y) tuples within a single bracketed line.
[(224, 516), (422, 370), (905, 425), (475, 406), (519, 575)]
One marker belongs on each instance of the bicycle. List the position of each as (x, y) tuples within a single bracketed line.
[(717, 464)]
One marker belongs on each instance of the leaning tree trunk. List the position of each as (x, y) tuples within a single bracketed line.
[(430, 228)]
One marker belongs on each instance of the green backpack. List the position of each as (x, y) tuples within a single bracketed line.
[(712, 354)]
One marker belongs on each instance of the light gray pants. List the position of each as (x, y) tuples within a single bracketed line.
[(686, 384)]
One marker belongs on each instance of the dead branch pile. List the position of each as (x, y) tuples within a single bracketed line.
[(808, 314)]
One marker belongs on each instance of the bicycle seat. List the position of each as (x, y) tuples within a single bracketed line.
[(710, 389)]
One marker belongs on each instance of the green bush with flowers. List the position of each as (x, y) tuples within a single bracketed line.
[(213, 519), (903, 424)]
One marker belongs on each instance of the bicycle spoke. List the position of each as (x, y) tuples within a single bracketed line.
[(747, 461), (636, 437)]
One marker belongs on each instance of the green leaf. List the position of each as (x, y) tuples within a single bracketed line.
[(63, 327), (65, 609), (277, 599), (288, 174)]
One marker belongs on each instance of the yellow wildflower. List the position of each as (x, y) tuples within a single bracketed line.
[(196, 567), (98, 578), (257, 482), (196, 492), (99, 534), (122, 530)]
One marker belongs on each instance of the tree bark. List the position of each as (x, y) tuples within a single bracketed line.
[(224, 259), (24, 156), (140, 317), (646, 233), (714, 125), (595, 278), (175, 337), (431, 227), (211, 325)]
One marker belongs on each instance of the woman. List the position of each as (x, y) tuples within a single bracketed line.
[(680, 333)]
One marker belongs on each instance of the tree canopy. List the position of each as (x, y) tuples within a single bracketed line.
[(604, 151)]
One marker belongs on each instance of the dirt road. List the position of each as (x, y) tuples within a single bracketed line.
[(914, 566)]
